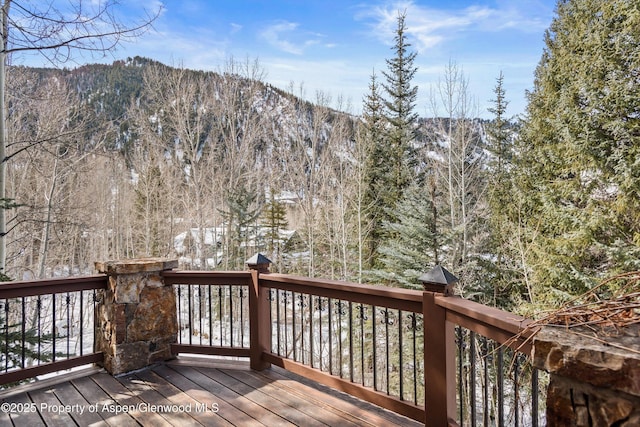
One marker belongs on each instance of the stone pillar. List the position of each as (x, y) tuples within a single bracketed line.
[(591, 383), (136, 320)]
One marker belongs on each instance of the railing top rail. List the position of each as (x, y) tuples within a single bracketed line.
[(499, 325), (210, 277), (52, 286), (381, 296)]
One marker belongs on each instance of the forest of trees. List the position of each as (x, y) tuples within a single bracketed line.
[(117, 161)]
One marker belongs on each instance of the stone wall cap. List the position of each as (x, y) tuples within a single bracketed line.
[(139, 265), (606, 361)]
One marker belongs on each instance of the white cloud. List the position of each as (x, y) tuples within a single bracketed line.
[(274, 36), (431, 27), (279, 35), (199, 50), (333, 78)]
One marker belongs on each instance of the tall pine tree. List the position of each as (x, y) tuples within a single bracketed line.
[(580, 145), (379, 189), (274, 221), (391, 123), (400, 105), (503, 271)]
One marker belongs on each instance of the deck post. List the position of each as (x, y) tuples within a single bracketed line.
[(439, 351), (135, 319), (259, 314)]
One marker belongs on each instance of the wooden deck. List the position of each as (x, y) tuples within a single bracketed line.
[(191, 392)]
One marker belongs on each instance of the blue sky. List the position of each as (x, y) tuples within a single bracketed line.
[(333, 46)]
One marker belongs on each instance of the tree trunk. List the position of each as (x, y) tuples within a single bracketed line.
[(4, 11), (46, 231)]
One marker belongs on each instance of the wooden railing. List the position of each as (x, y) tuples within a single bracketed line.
[(340, 322), (434, 358), (468, 336), (47, 326), (213, 312), (409, 351)]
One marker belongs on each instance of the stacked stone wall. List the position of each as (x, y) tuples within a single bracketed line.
[(136, 320), (595, 380)]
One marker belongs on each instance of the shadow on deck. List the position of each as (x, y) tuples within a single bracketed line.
[(190, 392)]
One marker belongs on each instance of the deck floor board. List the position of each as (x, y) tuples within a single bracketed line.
[(69, 395), (53, 415), (202, 393)]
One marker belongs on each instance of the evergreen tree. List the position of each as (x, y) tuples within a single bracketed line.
[(274, 220), (580, 145), (18, 343), (400, 106), (503, 270), (240, 218), (413, 245), (12, 350), (391, 124), (498, 135), (378, 184)]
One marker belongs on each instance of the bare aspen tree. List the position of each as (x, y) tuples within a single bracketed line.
[(242, 129), (181, 102), (336, 194), (65, 164), (303, 155), (119, 198), (242, 109), (107, 191), (48, 154), (152, 177), (208, 134), (360, 153), (56, 34), (463, 156)]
